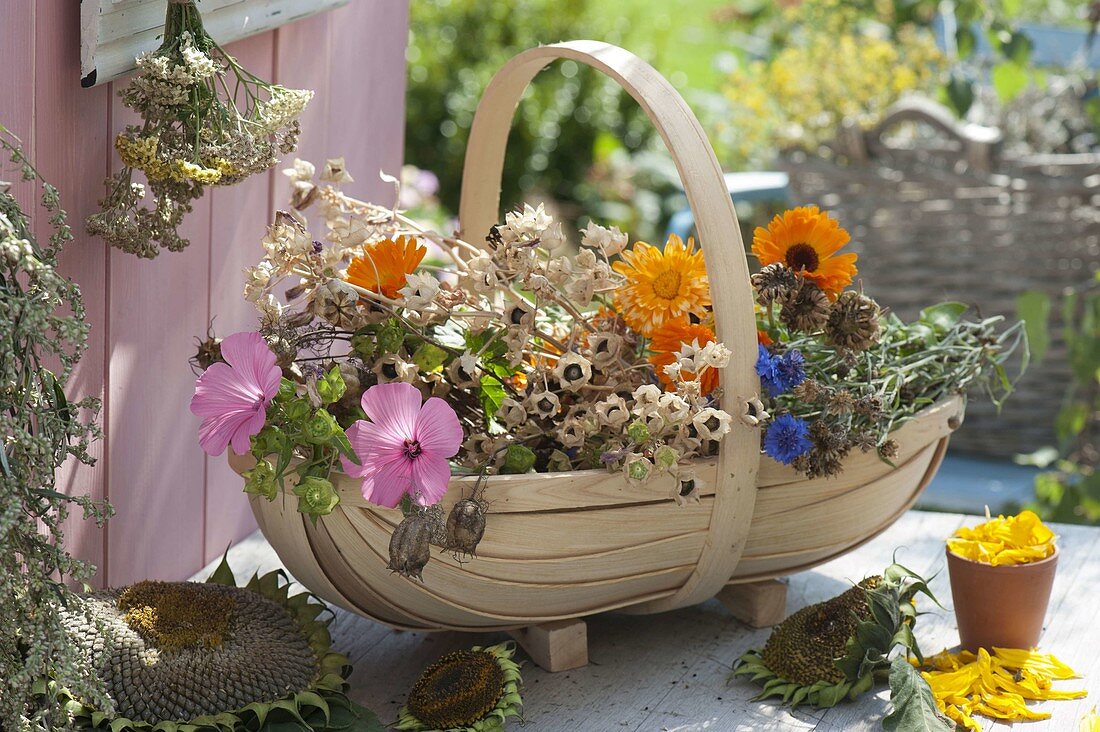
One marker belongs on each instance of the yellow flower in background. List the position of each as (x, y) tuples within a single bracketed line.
[(996, 685), (806, 240), (1091, 721), (661, 285), (1004, 540)]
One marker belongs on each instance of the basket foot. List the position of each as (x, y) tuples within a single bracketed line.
[(557, 646), (757, 604)]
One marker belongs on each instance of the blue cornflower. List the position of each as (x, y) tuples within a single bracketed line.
[(791, 368), (780, 374), (767, 368), (787, 438)]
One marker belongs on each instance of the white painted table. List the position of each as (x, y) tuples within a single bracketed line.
[(668, 672)]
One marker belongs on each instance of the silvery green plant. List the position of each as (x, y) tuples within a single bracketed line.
[(42, 336)]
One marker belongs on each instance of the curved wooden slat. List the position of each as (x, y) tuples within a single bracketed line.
[(723, 252), (597, 489)]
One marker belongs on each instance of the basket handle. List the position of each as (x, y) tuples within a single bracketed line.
[(979, 143), (723, 252)]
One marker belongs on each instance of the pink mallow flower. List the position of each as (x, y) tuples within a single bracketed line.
[(232, 397), (404, 447)]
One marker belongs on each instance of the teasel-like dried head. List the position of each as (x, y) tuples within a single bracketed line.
[(209, 352), (806, 309), (466, 526), (775, 283), (853, 322), (410, 546), (888, 450)]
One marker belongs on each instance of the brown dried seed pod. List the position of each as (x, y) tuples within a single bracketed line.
[(466, 526), (410, 546)]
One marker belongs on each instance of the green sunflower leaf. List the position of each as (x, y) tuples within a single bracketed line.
[(223, 575), (914, 706)]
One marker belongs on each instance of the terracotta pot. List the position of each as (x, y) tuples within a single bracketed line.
[(1001, 607)]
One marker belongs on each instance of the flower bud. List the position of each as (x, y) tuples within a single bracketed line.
[(518, 459), (316, 496), (260, 481), (321, 428), (637, 468), (364, 345), (269, 441), (665, 457), (638, 432)]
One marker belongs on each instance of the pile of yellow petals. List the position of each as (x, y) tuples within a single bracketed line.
[(1016, 539), (997, 686)]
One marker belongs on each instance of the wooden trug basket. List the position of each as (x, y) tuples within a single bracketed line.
[(560, 546)]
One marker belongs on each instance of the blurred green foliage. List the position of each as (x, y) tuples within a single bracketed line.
[(455, 48), (1068, 490)]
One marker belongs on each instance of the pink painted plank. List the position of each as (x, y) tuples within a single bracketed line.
[(238, 216), (367, 103), (156, 471), (61, 106), (17, 92), (303, 60)]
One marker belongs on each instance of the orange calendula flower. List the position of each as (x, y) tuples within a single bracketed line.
[(670, 339), (384, 265), (996, 684), (763, 338), (661, 285), (807, 240), (1016, 539)]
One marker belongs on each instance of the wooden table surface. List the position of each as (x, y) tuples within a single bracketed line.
[(669, 672)]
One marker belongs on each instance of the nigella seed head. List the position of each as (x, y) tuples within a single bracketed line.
[(410, 546), (466, 526)]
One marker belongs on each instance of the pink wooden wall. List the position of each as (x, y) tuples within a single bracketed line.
[(176, 508)]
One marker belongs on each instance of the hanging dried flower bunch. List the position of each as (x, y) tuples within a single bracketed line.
[(206, 120)]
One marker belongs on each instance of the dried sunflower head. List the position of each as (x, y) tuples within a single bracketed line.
[(831, 650), (208, 656), (465, 691)]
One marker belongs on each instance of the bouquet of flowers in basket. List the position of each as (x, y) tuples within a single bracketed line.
[(402, 356)]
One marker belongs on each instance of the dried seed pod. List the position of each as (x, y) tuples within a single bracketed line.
[(409, 546), (466, 526)]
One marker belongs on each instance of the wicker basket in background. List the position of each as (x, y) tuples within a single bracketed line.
[(937, 212)]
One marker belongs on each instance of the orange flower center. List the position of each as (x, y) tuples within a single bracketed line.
[(667, 284), (802, 257)]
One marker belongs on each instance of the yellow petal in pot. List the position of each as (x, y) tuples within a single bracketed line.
[(1019, 539)]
